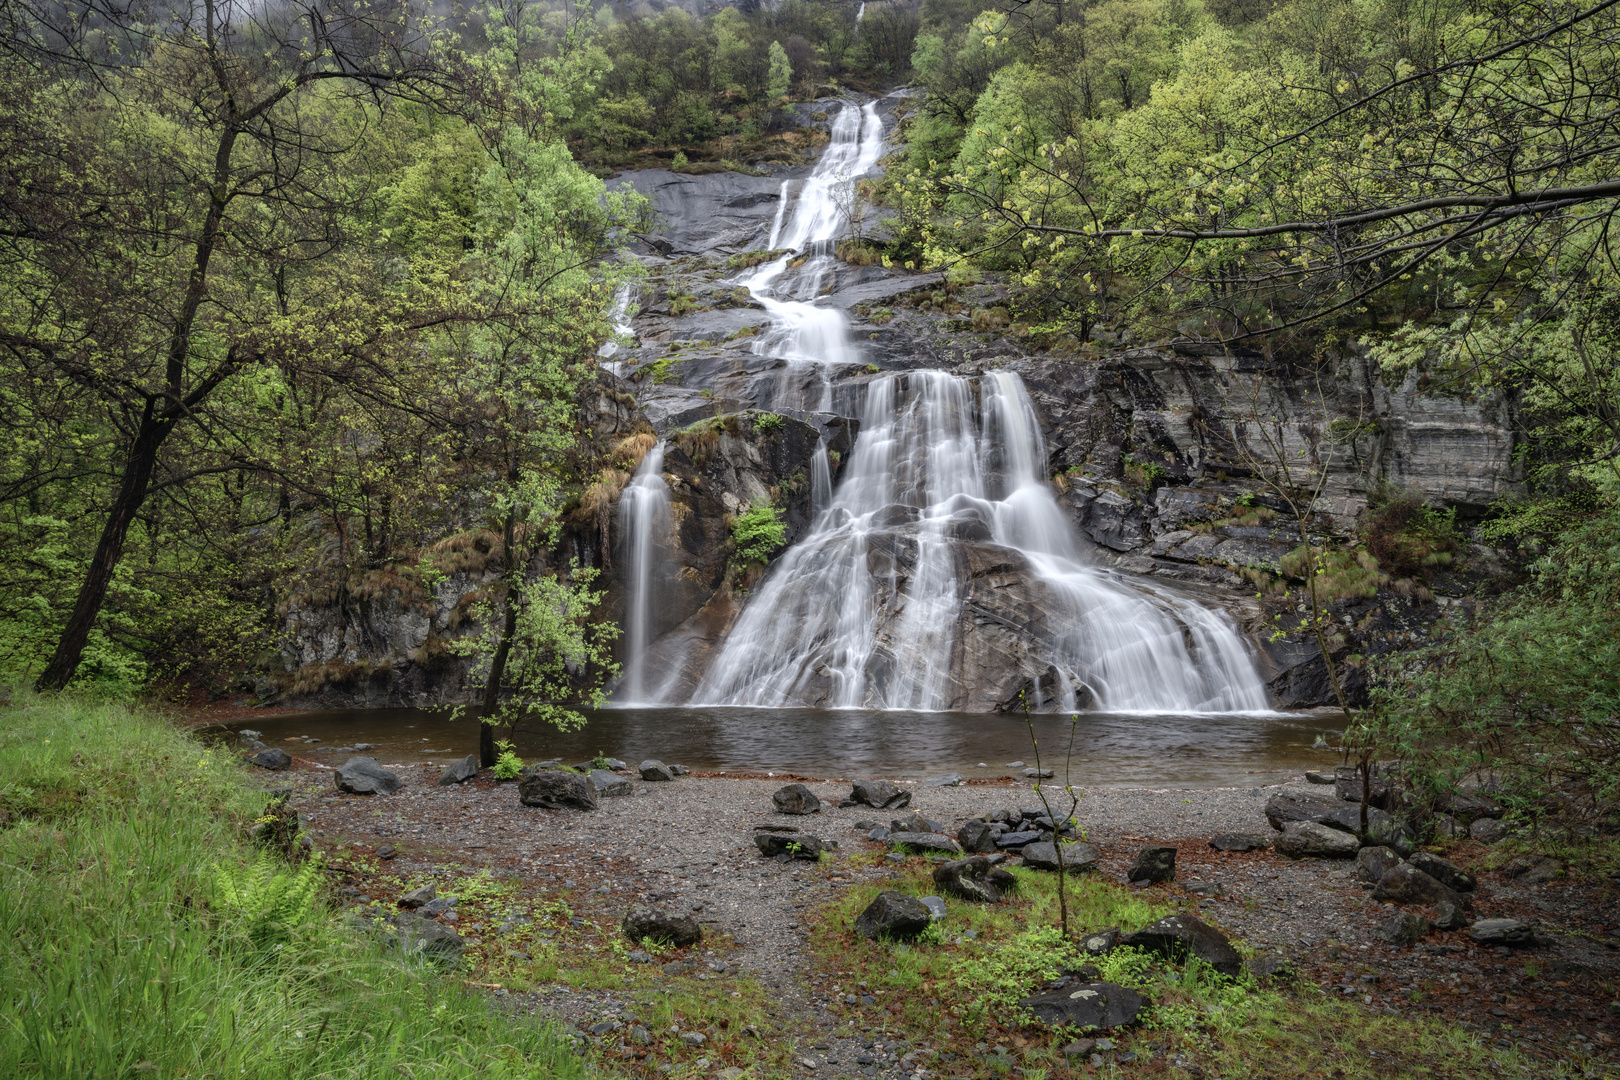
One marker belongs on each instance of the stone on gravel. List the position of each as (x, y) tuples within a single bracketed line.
[(793, 845), (1487, 830), (879, 794), (654, 771), (915, 823), (1086, 1005), (1403, 929), (1270, 967), (1319, 778), (1178, 936), (1533, 869), (967, 879), (1452, 877), (557, 791), (439, 905), (694, 1038), (612, 763), (643, 921), (431, 939), (1502, 932), (610, 785), (893, 915), (363, 776), (387, 851), (976, 836), (1287, 806), (1449, 916), (1014, 840), (1077, 858), (1310, 840), (924, 842), (1240, 841), (1406, 884), (796, 799), (950, 779), (1102, 942), (417, 897), (459, 772), (879, 834), (274, 759), (1156, 863), (935, 906), (1372, 863), (1037, 774)]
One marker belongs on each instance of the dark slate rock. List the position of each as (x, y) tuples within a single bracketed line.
[(1471, 807), (1349, 788), (459, 772), (1178, 936), (1241, 841), (1002, 880), (915, 823), (1533, 869), (879, 794), (610, 785), (643, 921), (557, 791), (1452, 877), (1447, 827), (363, 776), (432, 939), (1372, 863), (387, 851), (893, 915), (1319, 778), (1502, 932), (275, 759), (1287, 806), (1309, 840), (865, 826), (655, 771), (1086, 1005), (417, 897), (880, 834), (924, 843), (793, 845), (1156, 863), (948, 780), (1406, 884), (1038, 774), (1102, 942), (1077, 858), (967, 879), (976, 836), (1487, 830), (1449, 916), (612, 763), (1402, 929), (796, 799), (1014, 840), (439, 905)]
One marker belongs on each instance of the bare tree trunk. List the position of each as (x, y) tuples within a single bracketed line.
[(503, 649)]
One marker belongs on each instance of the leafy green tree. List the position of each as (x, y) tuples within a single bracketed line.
[(781, 72)]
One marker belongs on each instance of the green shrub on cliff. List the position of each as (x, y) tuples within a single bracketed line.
[(758, 533)]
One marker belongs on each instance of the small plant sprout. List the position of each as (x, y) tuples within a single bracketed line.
[(1067, 818)]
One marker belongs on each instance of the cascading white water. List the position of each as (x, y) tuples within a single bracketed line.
[(644, 524), (820, 478), (623, 331), (944, 463), (813, 340)]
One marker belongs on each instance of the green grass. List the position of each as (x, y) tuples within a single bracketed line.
[(951, 992), (115, 831)]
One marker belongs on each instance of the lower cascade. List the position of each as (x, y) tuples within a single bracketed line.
[(890, 602), (644, 524), (940, 573)]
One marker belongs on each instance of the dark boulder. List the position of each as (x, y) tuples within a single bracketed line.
[(925, 843), (1449, 916), (1402, 929), (794, 845), (1372, 863), (1077, 858), (431, 939), (1086, 1005), (1287, 806), (1157, 863), (1533, 869), (1180, 936), (796, 799), (275, 759), (1487, 830), (1012, 841), (643, 922), (893, 915), (1452, 877), (1469, 808), (1406, 884), (459, 772), (655, 771), (1309, 840), (1242, 841), (976, 836), (363, 776), (557, 791), (610, 785), (879, 794), (915, 823), (1102, 942), (967, 879), (1502, 932)]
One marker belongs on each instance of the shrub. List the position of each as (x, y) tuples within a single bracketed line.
[(1409, 539), (678, 161), (269, 899), (758, 533), (507, 764), (1339, 574), (770, 423)]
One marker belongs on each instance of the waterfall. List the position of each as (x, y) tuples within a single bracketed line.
[(868, 611), (619, 316), (820, 478), (644, 524), (860, 13), (811, 339)]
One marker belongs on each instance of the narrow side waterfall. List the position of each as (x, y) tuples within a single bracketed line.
[(814, 340), (871, 610), (622, 330), (644, 524)]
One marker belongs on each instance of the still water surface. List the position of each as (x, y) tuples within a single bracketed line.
[(1110, 749)]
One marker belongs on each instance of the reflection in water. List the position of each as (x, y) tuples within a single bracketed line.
[(1110, 749)]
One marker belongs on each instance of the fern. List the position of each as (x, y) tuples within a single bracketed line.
[(507, 765), (269, 898)]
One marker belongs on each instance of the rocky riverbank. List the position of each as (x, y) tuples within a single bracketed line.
[(688, 846)]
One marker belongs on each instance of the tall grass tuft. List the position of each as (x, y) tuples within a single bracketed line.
[(126, 956)]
